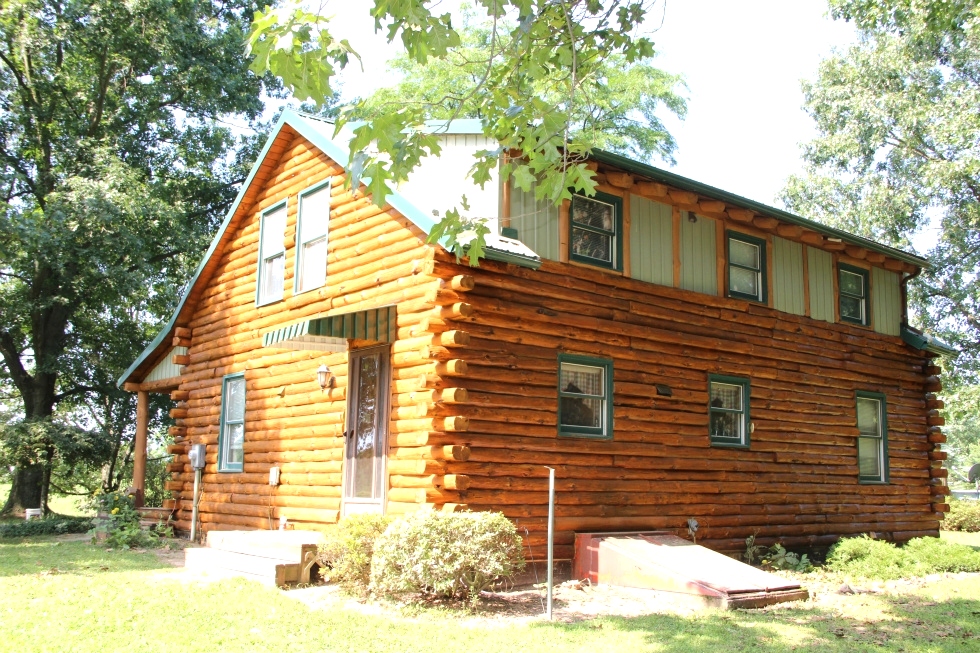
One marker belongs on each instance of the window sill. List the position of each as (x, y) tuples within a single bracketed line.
[(753, 300), (600, 268), (585, 436), (231, 471), (730, 445), (869, 481), (259, 304)]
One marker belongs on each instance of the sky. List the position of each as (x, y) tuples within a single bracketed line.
[(743, 63)]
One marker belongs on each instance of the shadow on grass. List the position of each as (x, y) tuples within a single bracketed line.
[(52, 555)]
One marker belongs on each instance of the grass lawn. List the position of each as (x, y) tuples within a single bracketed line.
[(62, 505), (71, 596), (970, 539)]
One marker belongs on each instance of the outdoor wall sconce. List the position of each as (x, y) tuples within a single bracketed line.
[(691, 217), (324, 377)]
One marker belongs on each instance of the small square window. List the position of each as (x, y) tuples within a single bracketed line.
[(272, 256), (728, 411), (747, 267), (584, 396), (596, 230), (231, 437), (872, 442), (853, 294)]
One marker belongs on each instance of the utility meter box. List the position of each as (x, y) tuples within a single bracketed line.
[(196, 454), (273, 476)]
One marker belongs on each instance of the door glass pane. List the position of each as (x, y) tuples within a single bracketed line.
[(235, 399), (869, 450), (744, 254), (852, 284), (314, 271), (365, 436), (851, 307), (592, 244), (868, 414), (744, 281)]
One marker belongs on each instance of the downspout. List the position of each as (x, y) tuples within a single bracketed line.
[(905, 295)]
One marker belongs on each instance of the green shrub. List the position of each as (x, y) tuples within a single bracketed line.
[(345, 555), (119, 523), (963, 515), (51, 525), (866, 558), (445, 554)]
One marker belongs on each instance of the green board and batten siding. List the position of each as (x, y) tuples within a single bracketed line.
[(820, 269), (536, 222), (166, 368), (699, 256), (787, 276), (886, 301), (651, 241)]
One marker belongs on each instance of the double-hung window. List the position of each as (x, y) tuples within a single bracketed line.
[(728, 411), (272, 255), (231, 437), (585, 407), (311, 238), (872, 438), (596, 225), (853, 294), (747, 267)]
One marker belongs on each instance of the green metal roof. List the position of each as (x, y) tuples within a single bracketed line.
[(925, 342), (331, 333)]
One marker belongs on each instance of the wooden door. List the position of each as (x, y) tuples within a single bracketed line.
[(366, 431)]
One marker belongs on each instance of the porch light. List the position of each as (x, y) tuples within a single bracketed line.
[(324, 377)]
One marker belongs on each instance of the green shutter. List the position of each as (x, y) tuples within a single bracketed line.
[(820, 267), (787, 276), (536, 222), (651, 241), (699, 255), (886, 301)]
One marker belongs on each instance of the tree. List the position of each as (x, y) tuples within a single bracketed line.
[(114, 172), (898, 151), (540, 80)]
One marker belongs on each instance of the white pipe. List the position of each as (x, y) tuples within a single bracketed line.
[(551, 538), (197, 484)]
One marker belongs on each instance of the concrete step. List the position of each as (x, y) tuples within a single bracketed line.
[(275, 557), (287, 546)]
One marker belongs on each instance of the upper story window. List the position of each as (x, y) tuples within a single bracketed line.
[(596, 225), (585, 396), (872, 438), (231, 437), (747, 267), (272, 255), (728, 410), (311, 238), (853, 294)]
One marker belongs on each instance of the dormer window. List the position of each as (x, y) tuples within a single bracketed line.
[(596, 225)]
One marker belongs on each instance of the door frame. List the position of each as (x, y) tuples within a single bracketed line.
[(350, 505)]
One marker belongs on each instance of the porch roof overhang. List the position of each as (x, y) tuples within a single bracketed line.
[(330, 333), (925, 342)]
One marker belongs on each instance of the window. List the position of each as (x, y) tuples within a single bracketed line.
[(585, 396), (596, 225), (311, 238), (728, 411), (272, 255), (853, 285), (231, 439), (747, 267), (872, 437)]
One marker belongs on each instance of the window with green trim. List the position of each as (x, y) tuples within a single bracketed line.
[(853, 289), (747, 267), (272, 256), (596, 225), (872, 443), (311, 238), (585, 407), (728, 410), (231, 437)]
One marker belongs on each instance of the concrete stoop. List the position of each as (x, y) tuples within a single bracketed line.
[(280, 558)]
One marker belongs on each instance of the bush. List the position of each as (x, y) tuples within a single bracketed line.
[(345, 555), (866, 558), (963, 516), (119, 527), (51, 525), (446, 555)]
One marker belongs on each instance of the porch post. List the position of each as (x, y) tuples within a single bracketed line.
[(139, 450)]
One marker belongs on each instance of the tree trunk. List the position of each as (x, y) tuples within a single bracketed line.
[(27, 490)]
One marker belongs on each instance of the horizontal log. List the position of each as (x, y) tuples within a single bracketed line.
[(180, 359), (650, 189)]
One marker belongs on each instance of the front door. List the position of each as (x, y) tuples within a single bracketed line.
[(366, 430)]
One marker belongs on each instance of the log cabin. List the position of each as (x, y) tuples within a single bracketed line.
[(673, 350)]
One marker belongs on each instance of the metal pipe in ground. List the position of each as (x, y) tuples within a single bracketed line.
[(551, 538)]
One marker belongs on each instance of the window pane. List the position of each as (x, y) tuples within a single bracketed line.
[(852, 307), (726, 425), (584, 411), (725, 395), (744, 254), (273, 231), (868, 414), (743, 281), (869, 457), (234, 443), (582, 379), (593, 213), (592, 244), (315, 214), (314, 271), (235, 399), (272, 277), (852, 284)]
